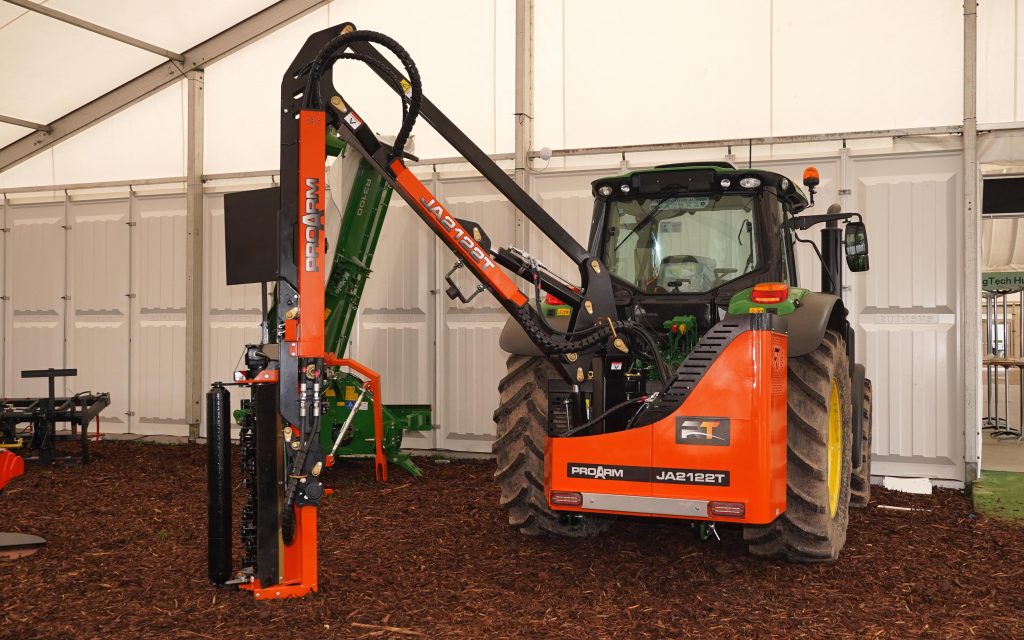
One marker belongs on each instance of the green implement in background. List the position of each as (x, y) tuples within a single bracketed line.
[(361, 225)]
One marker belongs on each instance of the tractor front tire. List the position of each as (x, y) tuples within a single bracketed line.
[(521, 419), (813, 527), (860, 481)]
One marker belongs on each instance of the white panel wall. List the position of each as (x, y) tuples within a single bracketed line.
[(5, 304), (35, 284), (233, 313), (567, 198), (158, 316), (908, 328), (469, 360), (97, 325), (394, 332)]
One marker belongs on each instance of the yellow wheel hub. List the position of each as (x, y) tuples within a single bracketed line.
[(835, 449)]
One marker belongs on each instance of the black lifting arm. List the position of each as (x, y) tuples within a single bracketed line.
[(594, 323)]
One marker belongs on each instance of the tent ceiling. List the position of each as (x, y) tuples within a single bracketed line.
[(50, 68)]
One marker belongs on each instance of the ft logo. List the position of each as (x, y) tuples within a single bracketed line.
[(712, 432)]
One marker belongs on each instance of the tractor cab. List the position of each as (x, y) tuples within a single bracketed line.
[(683, 239)]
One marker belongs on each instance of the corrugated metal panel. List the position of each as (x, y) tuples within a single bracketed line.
[(907, 326), (232, 312), (158, 316), (470, 363), (97, 309), (35, 283)]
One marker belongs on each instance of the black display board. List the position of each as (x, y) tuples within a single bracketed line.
[(1003, 196), (250, 235)]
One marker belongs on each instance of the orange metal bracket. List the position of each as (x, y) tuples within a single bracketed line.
[(373, 383), (298, 577)]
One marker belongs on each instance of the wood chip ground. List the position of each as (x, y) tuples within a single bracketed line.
[(435, 558)]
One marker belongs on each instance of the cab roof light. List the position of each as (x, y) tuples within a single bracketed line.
[(605, 190), (769, 293), (750, 182)]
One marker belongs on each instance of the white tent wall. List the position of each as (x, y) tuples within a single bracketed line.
[(652, 72), (146, 140), (793, 67), (465, 54), (1001, 61), (789, 68)]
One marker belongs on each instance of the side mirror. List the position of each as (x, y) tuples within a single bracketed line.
[(856, 241)]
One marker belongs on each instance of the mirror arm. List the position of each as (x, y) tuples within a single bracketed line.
[(826, 270), (803, 223)]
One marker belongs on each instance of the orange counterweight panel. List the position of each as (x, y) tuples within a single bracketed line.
[(311, 247), (725, 443)]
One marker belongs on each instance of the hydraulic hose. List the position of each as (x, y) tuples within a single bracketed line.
[(598, 419), (335, 50), (543, 335)]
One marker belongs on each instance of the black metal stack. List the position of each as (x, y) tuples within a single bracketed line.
[(44, 413)]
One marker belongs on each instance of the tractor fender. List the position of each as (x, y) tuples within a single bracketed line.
[(514, 340), (817, 313)]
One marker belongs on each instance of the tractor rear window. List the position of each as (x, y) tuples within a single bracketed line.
[(681, 244)]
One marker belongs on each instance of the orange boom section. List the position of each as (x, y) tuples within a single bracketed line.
[(310, 256), (448, 228), (701, 462)]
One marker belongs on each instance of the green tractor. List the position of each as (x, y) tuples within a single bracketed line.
[(749, 407)]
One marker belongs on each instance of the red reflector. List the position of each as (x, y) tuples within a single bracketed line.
[(552, 300), (769, 293), (567, 498), (727, 509)]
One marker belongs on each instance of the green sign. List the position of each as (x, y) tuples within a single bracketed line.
[(1002, 281)]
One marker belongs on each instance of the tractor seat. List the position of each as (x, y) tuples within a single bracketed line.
[(686, 274)]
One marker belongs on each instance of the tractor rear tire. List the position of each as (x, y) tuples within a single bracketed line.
[(860, 481), (809, 530), (521, 419)]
